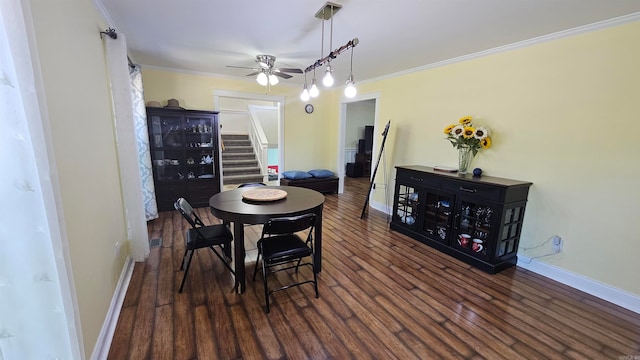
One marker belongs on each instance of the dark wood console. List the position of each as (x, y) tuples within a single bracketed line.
[(475, 219)]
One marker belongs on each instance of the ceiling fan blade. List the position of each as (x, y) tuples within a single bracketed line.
[(282, 75), (254, 73), (242, 67), (290, 70)]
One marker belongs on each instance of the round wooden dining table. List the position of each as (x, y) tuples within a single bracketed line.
[(230, 206)]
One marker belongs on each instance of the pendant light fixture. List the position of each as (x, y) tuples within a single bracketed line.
[(305, 92), (314, 91), (350, 90), (328, 77), (326, 13)]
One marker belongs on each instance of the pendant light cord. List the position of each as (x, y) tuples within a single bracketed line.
[(331, 34)]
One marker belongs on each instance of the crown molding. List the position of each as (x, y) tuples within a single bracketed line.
[(626, 19)]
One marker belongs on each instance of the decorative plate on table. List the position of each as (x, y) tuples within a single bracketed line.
[(264, 194)]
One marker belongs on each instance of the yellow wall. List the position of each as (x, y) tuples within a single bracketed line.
[(310, 140), (72, 62), (561, 115)]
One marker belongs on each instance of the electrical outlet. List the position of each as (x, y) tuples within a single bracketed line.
[(557, 244)]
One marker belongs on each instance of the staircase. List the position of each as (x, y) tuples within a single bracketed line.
[(239, 163)]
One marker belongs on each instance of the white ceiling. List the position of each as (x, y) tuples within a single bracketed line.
[(395, 36)]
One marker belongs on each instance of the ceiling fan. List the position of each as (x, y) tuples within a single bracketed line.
[(267, 73)]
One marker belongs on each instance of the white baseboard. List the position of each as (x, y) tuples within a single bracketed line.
[(381, 207), (603, 291), (101, 350)]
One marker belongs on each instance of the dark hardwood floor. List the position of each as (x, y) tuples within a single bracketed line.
[(382, 296)]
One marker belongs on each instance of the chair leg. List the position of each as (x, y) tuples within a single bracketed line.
[(266, 288), (315, 283), (184, 257), (255, 268), (186, 271), (315, 275)]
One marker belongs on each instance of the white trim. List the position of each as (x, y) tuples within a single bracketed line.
[(600, 290), (342, 125), (103, 344), (381, 207), (279, 100), (233, 111), (603, 291)]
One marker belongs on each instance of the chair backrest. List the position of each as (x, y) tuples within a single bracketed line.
[(252, 184), (187, 212), (289, 225)]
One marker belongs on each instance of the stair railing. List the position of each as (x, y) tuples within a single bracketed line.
[(260, 144)]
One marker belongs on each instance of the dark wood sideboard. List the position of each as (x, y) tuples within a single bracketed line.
[(475, 219)]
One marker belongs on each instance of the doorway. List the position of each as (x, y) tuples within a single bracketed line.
[(252, 102), (345, 146)]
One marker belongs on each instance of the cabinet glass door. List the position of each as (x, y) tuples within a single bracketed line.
[(199, 145), (437, 216), (408, 201), (510, 230), (474, 228), (166, 139)]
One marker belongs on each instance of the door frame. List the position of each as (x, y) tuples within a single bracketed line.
[(278, 100), (342, 125)]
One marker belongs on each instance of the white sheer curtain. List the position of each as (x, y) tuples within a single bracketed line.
[(130, 176), (38, 313), (142, 141)]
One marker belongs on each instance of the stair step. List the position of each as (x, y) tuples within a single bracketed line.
[(241, 170), (238, 149), (240, 179), (239, 163), (238, 156), (227, 137), (236, 143)]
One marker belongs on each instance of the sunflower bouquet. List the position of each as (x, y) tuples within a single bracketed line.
[(465, 135)]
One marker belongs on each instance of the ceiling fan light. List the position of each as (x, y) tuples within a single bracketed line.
[(262, 79), (314, 92), (328, 78), (273, 80), (350, 91)]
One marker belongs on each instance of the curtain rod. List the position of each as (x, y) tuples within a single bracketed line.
[(111, 32)]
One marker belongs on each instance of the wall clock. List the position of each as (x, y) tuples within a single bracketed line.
[(308, 108)]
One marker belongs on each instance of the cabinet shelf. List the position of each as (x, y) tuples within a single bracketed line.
[(481, 227)]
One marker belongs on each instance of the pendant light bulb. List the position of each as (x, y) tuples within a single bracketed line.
[(273, 80), (314, 92), (350, 91), (304, 96), (262, 79), (328, 78)]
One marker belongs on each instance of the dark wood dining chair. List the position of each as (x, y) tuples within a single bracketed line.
[(279, 245), (202, 236)]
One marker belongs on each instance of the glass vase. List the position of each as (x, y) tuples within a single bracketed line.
[(465, 155)]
